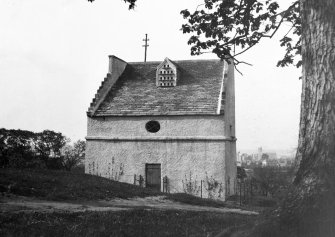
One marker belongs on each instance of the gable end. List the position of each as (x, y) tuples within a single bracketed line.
[(115, 69)]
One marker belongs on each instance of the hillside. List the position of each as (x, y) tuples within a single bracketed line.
[(63, 185), (56, 185), (88, 205)]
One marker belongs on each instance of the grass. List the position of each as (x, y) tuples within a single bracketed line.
[(193, 200), (126, 223), (67, 186), (72, 186)]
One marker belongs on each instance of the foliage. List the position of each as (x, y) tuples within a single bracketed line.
[(265, 157), (72, 155), (191, 186), (241, 174), (213, 187), (17, 149), (221, 27), (48, 145), (47, 149), (116, 171), (273, 180)]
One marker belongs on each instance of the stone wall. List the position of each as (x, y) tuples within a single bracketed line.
[(187, 147), (171, 126), (180, 161)]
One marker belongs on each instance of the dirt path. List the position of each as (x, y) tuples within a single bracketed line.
[(26, 204)]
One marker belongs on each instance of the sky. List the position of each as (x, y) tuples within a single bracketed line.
[(54, 55)]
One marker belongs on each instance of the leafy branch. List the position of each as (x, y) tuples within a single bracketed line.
[(221, 26)]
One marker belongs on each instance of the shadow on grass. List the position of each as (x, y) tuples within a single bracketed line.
[(193, 200)]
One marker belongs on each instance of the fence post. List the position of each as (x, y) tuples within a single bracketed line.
[(240, 193), (134, 179), (228, 193), (244, 191), (165, 180), (201, 188), (235, 186), (141, 181)]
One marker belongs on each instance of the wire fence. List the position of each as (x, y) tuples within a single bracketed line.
[(139, 180), (242, 189)]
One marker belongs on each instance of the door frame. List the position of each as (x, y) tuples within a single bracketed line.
[(146, 174)]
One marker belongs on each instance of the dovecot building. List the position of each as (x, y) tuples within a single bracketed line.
[(168, 125)]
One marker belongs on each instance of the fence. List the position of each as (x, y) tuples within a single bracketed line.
[(139, 180), (209, 187), (244, 189)]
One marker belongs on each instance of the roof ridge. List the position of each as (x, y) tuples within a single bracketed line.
[(175, 61)]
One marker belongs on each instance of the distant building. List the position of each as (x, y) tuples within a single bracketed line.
[(259, 153), (272, 155)]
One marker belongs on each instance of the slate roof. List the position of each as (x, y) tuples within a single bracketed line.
[(135, 92)]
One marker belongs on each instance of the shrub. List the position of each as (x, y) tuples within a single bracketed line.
[(191, 186)]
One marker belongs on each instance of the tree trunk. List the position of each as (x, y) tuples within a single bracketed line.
[(313, 195)]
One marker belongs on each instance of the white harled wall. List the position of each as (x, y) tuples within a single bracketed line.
[(185, 146)]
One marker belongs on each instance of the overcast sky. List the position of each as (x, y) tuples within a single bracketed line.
[(54, 54)]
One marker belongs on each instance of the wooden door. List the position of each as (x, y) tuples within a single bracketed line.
[(153, 176)]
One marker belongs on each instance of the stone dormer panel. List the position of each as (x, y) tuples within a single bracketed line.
[(166, 74)]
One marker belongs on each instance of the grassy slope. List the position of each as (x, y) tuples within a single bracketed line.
[(68, 186), (62, 185)]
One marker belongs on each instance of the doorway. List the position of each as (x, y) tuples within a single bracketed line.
[(153, 176)]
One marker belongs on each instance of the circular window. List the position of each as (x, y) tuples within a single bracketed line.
[(152, 126)]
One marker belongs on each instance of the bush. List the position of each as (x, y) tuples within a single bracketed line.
[(26, 149), (273, 181)]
